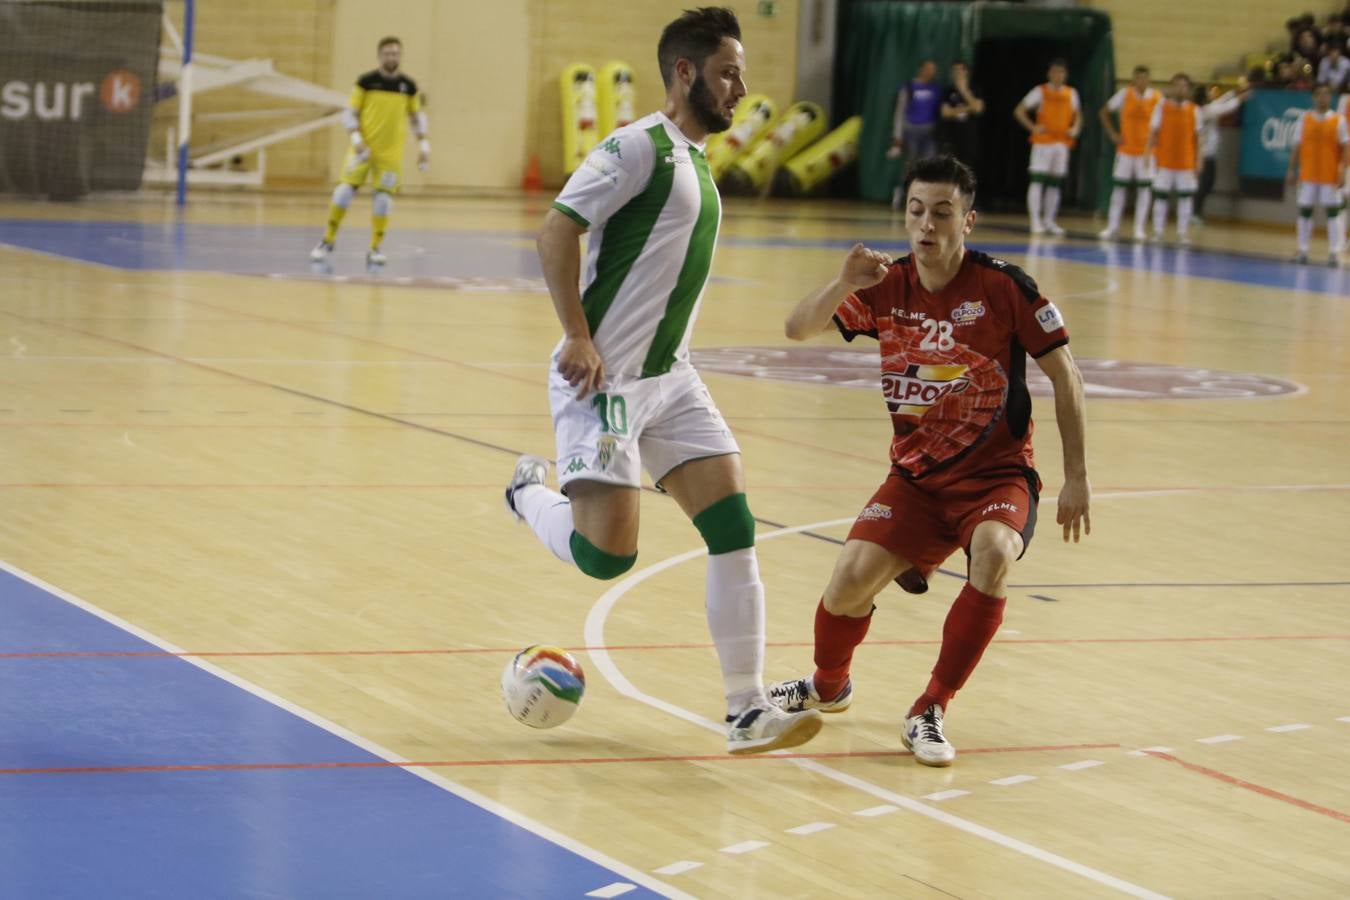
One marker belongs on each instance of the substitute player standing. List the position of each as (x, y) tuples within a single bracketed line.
[(955, 327), (382, 105), (623, 392), (1174, 136), (1134, 166), (1058, 122), (1318, 161)]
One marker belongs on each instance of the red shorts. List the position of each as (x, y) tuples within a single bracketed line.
[(924, 527)]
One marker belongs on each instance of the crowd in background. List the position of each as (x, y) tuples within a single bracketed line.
[(1317, 53)]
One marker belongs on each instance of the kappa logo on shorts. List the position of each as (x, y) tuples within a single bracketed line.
[(875, 511), (604, 449), (576, 465), (1050, 318), (997, 507), (968, 313)]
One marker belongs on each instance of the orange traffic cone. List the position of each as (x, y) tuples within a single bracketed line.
[(532, 181)]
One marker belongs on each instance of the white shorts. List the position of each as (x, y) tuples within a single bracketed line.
[(1137, 169), (1180, 180), (1049, 159), (654, 423), (1311, 194)]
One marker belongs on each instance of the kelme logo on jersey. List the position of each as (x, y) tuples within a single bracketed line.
[(968, 313), (875, 511), (919, 388)]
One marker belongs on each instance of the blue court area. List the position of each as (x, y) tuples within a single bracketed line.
[(143, 823), (423, 255)]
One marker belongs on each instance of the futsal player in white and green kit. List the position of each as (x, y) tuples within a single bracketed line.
[(623, 393)]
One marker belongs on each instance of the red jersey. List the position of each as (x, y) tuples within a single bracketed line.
[(953, 364)]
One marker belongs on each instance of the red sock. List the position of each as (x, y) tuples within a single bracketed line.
[(971, 624), (836, 636)]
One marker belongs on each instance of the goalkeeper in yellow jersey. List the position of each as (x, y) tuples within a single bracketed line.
[(382, 105)]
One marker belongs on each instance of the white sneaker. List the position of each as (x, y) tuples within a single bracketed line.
[(1184, 240), (1106, 234), (800, 694), (1055, 229), (1140, 235), (320, 252), (375, 259), (529, 470), (1037, 228), (923, 735), (761, 729)]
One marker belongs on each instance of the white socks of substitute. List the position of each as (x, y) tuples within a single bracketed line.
[(1141, 201), (1185, 208), (1336, 231), (1159, 215), (1305, 230), (1034, 191), (1051, 204), (1117, 209), (735, 607), (549, 515)]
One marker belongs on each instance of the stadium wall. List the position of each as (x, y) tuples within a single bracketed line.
[(1198, 36)]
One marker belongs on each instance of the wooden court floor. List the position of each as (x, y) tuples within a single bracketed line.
[(301, 477)]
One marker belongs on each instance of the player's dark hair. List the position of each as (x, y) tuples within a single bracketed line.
[(386, 41), (1321, 85), (1141, 69), (943, 169), (1059, 61), (1182, 75), (695, 36)]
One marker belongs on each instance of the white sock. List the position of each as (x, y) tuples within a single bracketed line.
[(549, 515), (1117, 209), (1185, 206), (1034, 202), (1141, 201), (1305, 227), (1051, 204), (1159, 214), (1336, 231), (735, 608)]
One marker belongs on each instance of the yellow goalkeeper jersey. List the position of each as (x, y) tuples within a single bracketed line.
[(384, 105)]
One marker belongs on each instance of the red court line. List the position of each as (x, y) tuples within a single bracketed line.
[(461, 651), (1255, 788), (472, 763)]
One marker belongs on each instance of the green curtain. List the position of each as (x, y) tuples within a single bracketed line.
[(881, 43), (880, 47)]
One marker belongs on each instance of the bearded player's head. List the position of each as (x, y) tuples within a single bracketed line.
[(939, 209), (391, 55), (703, 65)]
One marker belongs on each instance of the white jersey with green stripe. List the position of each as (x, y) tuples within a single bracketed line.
[(649, 201)]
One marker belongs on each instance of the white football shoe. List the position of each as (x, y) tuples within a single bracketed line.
[(923, 735)]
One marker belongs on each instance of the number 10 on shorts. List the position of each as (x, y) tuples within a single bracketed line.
[(613, 412)]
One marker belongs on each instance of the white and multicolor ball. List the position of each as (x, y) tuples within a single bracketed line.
[(543, 686)]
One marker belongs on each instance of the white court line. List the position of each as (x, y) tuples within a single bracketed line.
[(873, 811), (1281, 729), (811, 828), (1219, 739), (617, 889), (1013, 779), (946, 795), (1085, 764), (429, 775), (604, 663), (679, 868), (744, 847), (1145, 751), (1343, 718)]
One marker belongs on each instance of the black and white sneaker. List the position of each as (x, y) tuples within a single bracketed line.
[(321, 252), (800, 694), (761, 729), (923, 735), (529, 470)]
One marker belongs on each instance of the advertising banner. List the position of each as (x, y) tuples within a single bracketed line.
[(1268, 122)]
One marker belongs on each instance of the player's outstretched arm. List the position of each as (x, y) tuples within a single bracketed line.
[(1076, 495), (560, 257), (862, 268)]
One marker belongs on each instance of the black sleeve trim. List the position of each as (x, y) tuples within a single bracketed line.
[(368, 80), (1025, 283), (849, 335), (412, 85), (1055, 346)]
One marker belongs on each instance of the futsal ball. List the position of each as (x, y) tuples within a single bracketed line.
[(543, 686)]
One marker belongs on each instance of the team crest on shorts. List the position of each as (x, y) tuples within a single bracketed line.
[(875, 511), (604, 449)]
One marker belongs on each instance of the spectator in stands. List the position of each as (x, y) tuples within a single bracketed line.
[(1333, 34), (1334, 68), (1215, 105), (1308, 45), (961, 111), (916, 118)]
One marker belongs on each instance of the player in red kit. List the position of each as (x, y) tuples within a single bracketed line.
[(955, 328)]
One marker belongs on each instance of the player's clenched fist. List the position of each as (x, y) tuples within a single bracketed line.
[(579, 362), (864, 268)]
